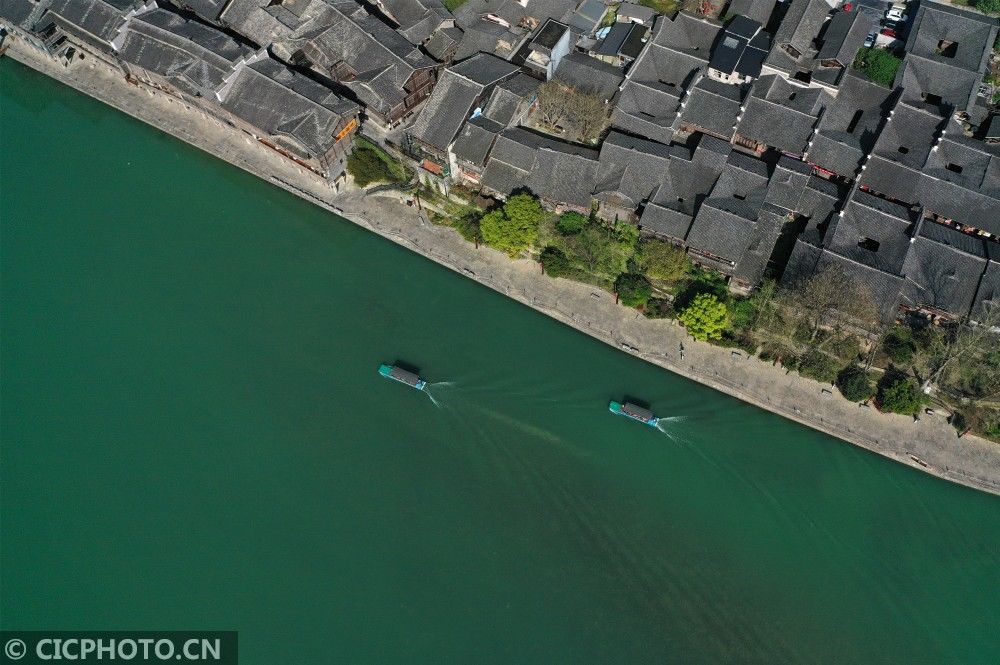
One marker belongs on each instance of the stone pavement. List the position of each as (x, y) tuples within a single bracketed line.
[(929, 444)]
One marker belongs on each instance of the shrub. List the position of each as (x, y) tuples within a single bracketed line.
[(855, 384), (898, 393), (571, 223), (819, 366), (366, 166), (633, 290), (660, 308), (513, 227), (706, 317), (899, 345), (555, 263)]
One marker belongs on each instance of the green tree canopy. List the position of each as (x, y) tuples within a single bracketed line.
[(899, 345), (571, 223), (988, 6), (555, 263), (633, 290), (513, 227), (900, 394), (663, 261), (855, 384), (706, 317)]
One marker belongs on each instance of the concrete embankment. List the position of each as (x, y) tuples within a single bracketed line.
[(928, 444)]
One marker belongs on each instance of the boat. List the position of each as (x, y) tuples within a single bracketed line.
[(634, 412), (397, 373)]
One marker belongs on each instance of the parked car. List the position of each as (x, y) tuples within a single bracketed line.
[(895, 15), (870, 39), (888, 32)]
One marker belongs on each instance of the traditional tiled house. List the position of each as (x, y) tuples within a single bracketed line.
[(847, 131), (340, 40), (674, 57), (780, 115), (947, 54), (460, 94), (180, 56), (562, 175), (289, 112)]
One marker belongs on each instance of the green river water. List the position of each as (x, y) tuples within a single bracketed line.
[(194, 436)]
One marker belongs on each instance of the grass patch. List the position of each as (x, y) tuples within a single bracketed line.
[(667, 7), (877, 64), (452, 5)]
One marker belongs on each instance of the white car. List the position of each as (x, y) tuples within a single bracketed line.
[(896, 14)]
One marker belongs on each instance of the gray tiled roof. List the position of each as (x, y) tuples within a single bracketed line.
[(637, 12), (417, 19), (646, 111), (971, 33), (98, 19), (758, 10), (207, 9), (474, 142), (849, 127), (887, 224), (586, 73), (712, 106), (510, 97), (457, 92), (553, 170), (780, 114), (196, 57), (631, 168), (943, 269), (988, 293), (383, 59), (21, 13), (284, 103)]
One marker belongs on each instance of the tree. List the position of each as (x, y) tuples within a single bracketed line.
[(988, 6), (962, 341), (555, 263), (899, 393), (663, 261), (832, 298), (633, 290), (513, 227), (706, 317), (899, 345), (571, 223), (855, 384), (579, 113)]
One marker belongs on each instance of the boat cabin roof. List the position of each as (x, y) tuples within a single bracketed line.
[(637, 411), (404, 376)]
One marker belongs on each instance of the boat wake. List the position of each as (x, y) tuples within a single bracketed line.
[(427, 392), (440, 384), (663, 424)]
